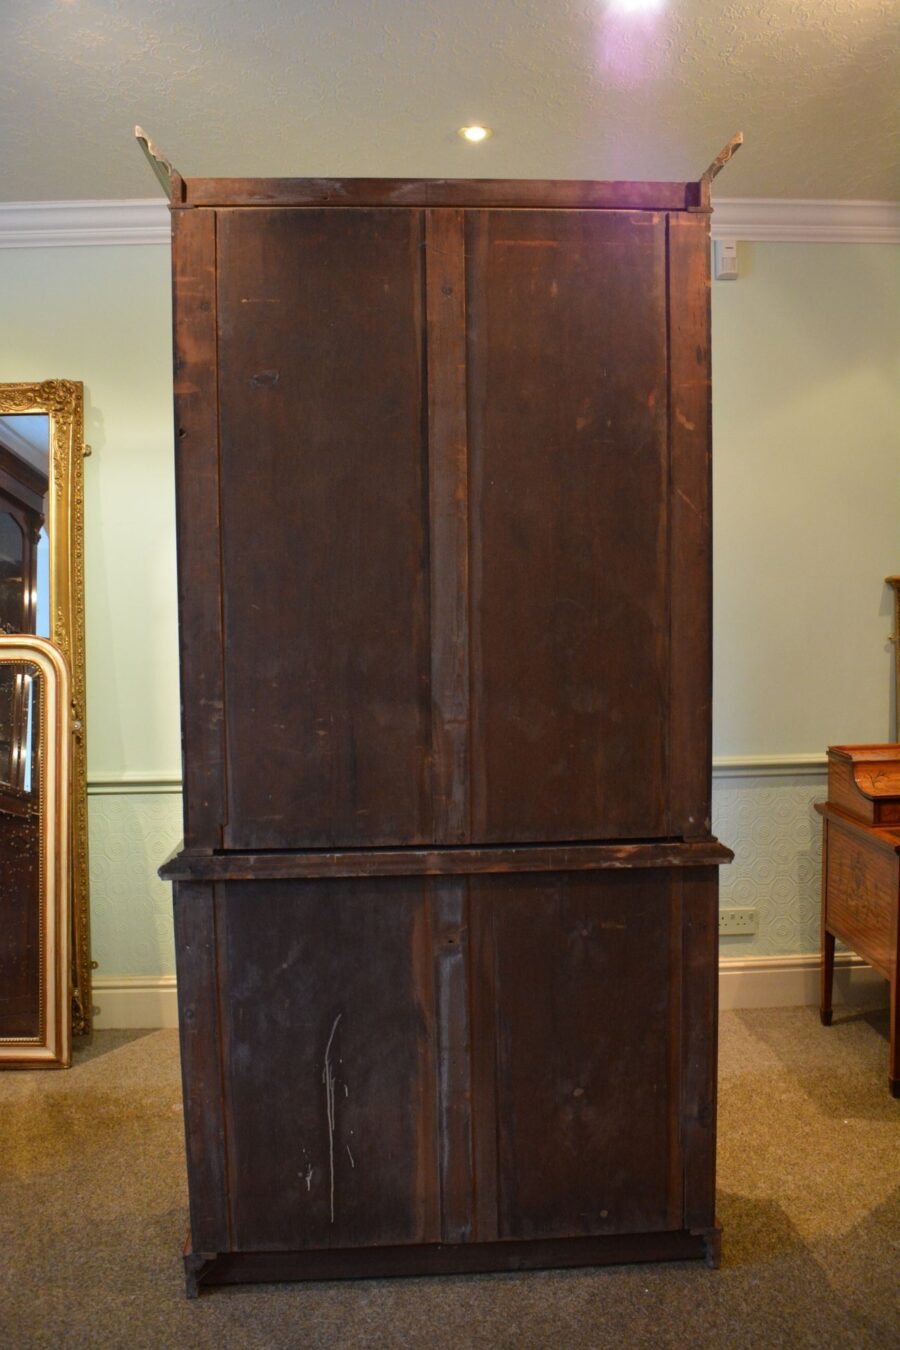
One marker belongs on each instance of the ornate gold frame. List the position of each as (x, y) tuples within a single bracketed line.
[(51, 1047), (63, 402)]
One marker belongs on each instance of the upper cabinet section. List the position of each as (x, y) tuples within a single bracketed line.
[(568, 561), (446, 578), (324, 490)]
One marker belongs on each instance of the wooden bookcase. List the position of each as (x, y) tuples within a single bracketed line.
[(446, 914)]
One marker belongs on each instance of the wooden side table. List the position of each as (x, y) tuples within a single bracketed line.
[(861, 871)]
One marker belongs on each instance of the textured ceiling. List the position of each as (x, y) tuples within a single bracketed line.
[(572, 88)]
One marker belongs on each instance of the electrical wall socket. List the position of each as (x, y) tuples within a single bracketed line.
[(738, 921)]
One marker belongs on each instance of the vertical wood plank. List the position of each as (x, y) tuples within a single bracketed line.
[(450, 926), (445, 307), (198, 526), (826, 970), (477, 256), (569, 473), (483, 1003), (700, 1003), (582, 1012), (330, 1050), (324, 506), (690, 537), (674, 1066), (201, 1065)]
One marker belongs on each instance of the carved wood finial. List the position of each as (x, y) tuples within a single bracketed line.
[(725, 154), (161, 166), (722, 158)]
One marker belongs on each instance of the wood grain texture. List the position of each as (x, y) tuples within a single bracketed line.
[(690, 528), (454, 1005), (451, 927), (699, 1045), (883, 838), (862, 897), (445, 291), (444, 862), (333, 982), (478, 192), (445, 1258), (324, 535), (567, 452), (484, 1083), (579, 1010), (864, 780), (198, 526), (201, 1065)]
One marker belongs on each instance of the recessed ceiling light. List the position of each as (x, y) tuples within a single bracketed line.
[(475, 134)]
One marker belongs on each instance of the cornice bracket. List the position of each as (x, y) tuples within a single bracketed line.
[(169, 177)]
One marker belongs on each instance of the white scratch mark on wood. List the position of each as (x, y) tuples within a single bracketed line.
[(328, 1080), (346, 1090), (308, 1176), (687, 501), (350, 1155)]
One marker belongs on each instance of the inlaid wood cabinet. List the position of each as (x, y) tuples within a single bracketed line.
[(446, 913)]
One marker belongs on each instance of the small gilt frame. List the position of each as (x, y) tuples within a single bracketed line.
[(63, 403)]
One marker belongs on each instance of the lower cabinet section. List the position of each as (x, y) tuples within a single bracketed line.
[(513, 1068)]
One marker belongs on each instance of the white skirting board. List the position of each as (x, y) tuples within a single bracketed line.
[(146, 1001), (793, 981), (132, 1001)]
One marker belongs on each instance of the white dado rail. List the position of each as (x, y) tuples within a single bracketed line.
[(744, 981), (113, 784)]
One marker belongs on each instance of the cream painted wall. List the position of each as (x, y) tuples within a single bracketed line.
[(103, 316), (806, 421)]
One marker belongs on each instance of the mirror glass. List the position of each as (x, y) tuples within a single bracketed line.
[(24, 537), (20, 849)]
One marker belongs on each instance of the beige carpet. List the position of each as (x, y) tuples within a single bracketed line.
[(93, 1214)]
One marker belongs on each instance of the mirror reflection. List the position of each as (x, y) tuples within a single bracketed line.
[(24, 538), (20, 847)]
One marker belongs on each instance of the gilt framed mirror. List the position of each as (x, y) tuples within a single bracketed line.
[(42, 592)]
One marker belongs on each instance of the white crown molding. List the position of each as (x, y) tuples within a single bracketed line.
[(140, 220), (805, 221), (145, 220)]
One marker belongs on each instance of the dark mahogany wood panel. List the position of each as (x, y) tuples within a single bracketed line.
[(449, 543), (330, 1063), (324, 510), (444, 862), (449, 1258), (690, 536), (578, 1004), (699, 1044), (454, 1043), (199, 998), (509, 192), (197, 511), (569, 560)]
